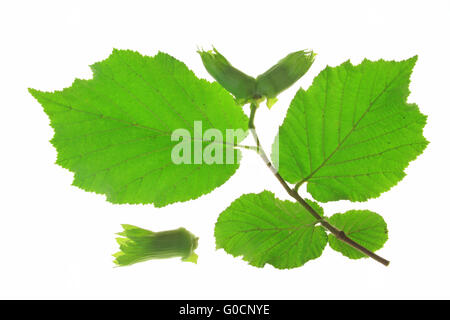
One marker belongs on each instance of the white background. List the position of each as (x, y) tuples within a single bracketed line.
[(56, 240)]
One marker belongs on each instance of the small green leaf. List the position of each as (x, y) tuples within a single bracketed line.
[(352, 133), (114, 131), (363, 226), (270, 102), (264, 229), (138, 245)]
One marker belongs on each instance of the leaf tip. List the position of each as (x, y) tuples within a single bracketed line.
[(33, 92)]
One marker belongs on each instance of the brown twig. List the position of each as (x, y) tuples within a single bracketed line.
[(339, 234)]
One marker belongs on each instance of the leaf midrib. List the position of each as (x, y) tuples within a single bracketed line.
[(131, 124), (353, 128)]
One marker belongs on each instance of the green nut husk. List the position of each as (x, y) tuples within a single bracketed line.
[(284, 74), (137, 245), (239, 84)]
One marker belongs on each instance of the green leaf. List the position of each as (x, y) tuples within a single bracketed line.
[(352, 133), (114, 131), (363, 226), (264, 229)]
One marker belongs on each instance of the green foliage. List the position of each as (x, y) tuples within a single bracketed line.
[(264, 229), (137, 245), (349, 136), (352, 133), (114, 131), (363, 226)]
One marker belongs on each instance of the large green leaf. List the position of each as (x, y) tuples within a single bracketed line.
[(114, 131), (363, 226), (352, 133), (264, 229)]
